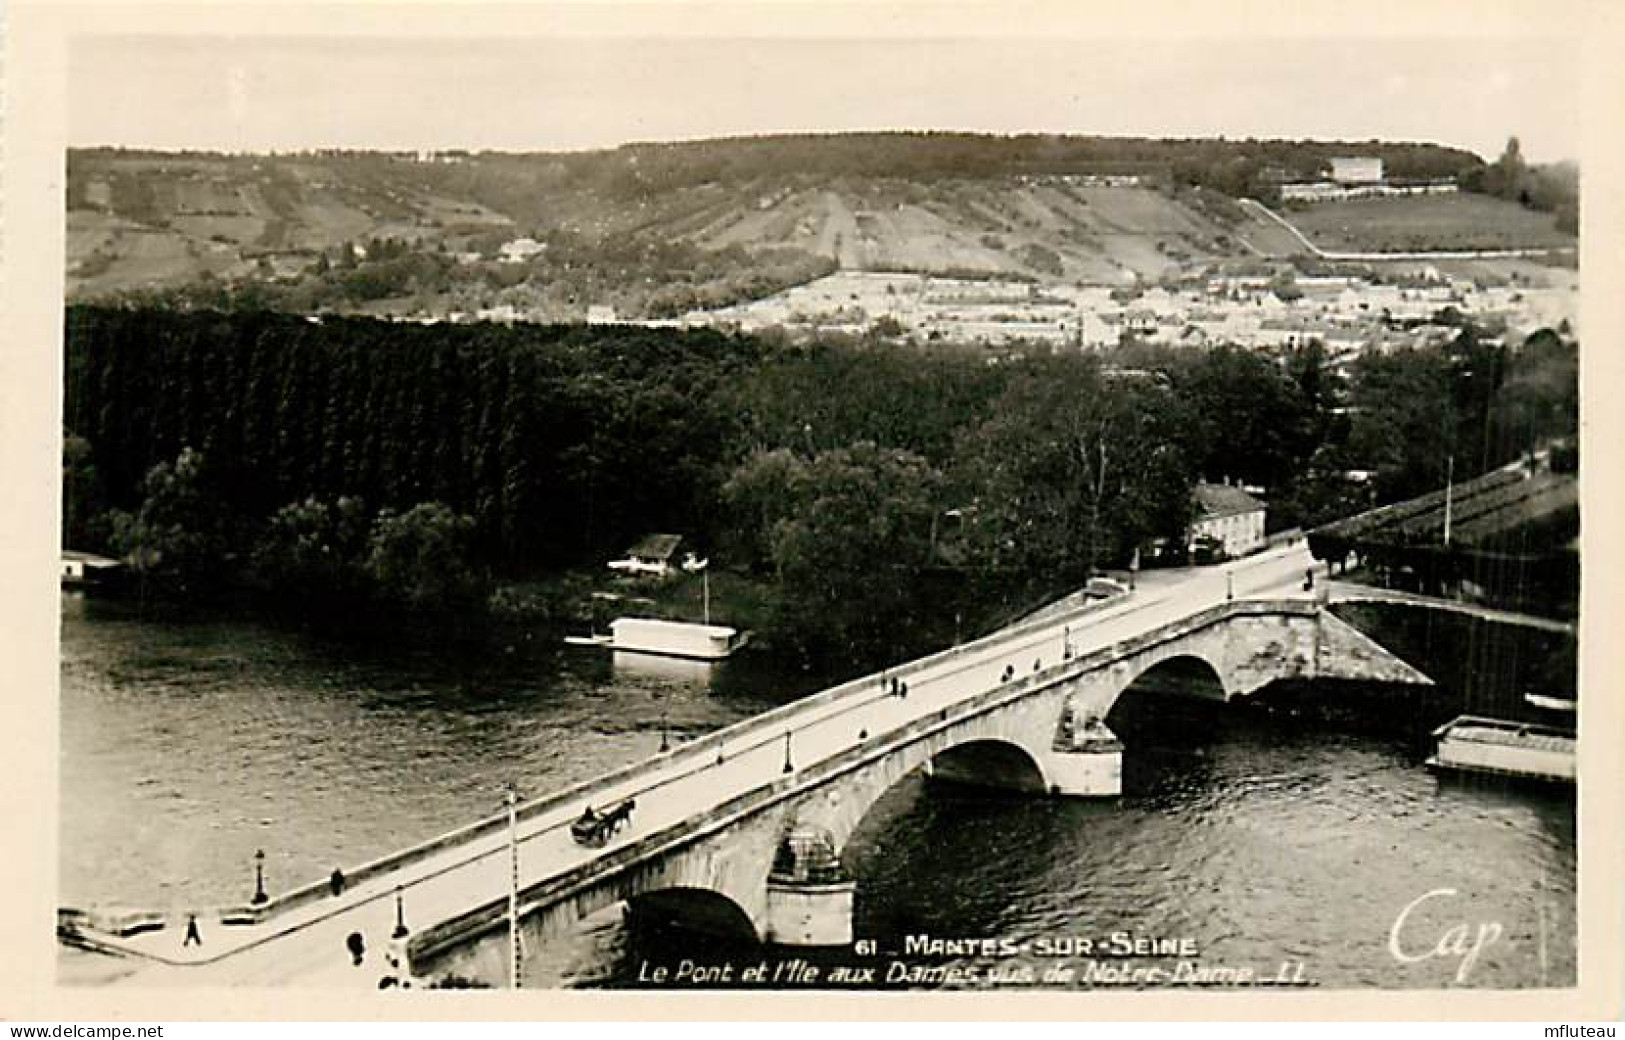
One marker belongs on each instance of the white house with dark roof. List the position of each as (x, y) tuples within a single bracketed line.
[(655, 555), (1229, 516)]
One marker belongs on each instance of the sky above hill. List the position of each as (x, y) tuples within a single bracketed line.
[(259, 93)]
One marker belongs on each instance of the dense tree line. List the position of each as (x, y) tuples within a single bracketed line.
[(1222, 164), (519, 184), (1471, 405), (358, 460), (560, 441)]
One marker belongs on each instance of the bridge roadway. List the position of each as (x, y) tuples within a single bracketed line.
[(305, 944)]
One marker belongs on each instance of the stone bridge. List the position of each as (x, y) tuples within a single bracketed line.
[(767, 862), (745, 829)]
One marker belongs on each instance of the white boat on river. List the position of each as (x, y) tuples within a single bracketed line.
[(668, 638)]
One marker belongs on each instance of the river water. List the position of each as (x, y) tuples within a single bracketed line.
[(188, 746)]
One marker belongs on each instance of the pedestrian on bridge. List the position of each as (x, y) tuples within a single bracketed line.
[(193, 936)]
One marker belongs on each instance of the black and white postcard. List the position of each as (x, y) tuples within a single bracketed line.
[(1073, 507)]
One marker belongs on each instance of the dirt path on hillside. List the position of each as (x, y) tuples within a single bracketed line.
[(839, 236)]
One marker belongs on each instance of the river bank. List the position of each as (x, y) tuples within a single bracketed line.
[(945, 607)]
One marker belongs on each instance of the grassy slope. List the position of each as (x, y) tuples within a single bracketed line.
[(1426, 222)]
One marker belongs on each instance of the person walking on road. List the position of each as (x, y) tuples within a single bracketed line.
[(193, 936)]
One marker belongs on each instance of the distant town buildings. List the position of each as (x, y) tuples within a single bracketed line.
[(1348, 315)]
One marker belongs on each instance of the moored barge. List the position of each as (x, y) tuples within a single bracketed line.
[(1500, 747)]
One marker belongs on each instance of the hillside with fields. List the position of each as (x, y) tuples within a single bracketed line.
[(658, 230), (146, 224), (1044, 228)]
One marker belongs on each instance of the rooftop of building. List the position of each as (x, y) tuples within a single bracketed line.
[(1214, 501)]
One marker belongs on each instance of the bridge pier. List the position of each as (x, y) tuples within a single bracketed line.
[(809, 913), (809, 893), (1086, 759)]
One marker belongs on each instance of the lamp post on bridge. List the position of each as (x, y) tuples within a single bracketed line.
[(397, 954), (789, 766), (510, 798), (260, 898), (401, 931)]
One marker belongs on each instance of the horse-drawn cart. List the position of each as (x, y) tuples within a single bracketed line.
[(594, 828)]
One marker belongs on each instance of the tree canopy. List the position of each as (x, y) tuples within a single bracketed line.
[(360, 461)]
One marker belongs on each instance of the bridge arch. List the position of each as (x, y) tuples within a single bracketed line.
[(1004, 750), (694, 909), (990, 751), (989, 763), (1188, 674)]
